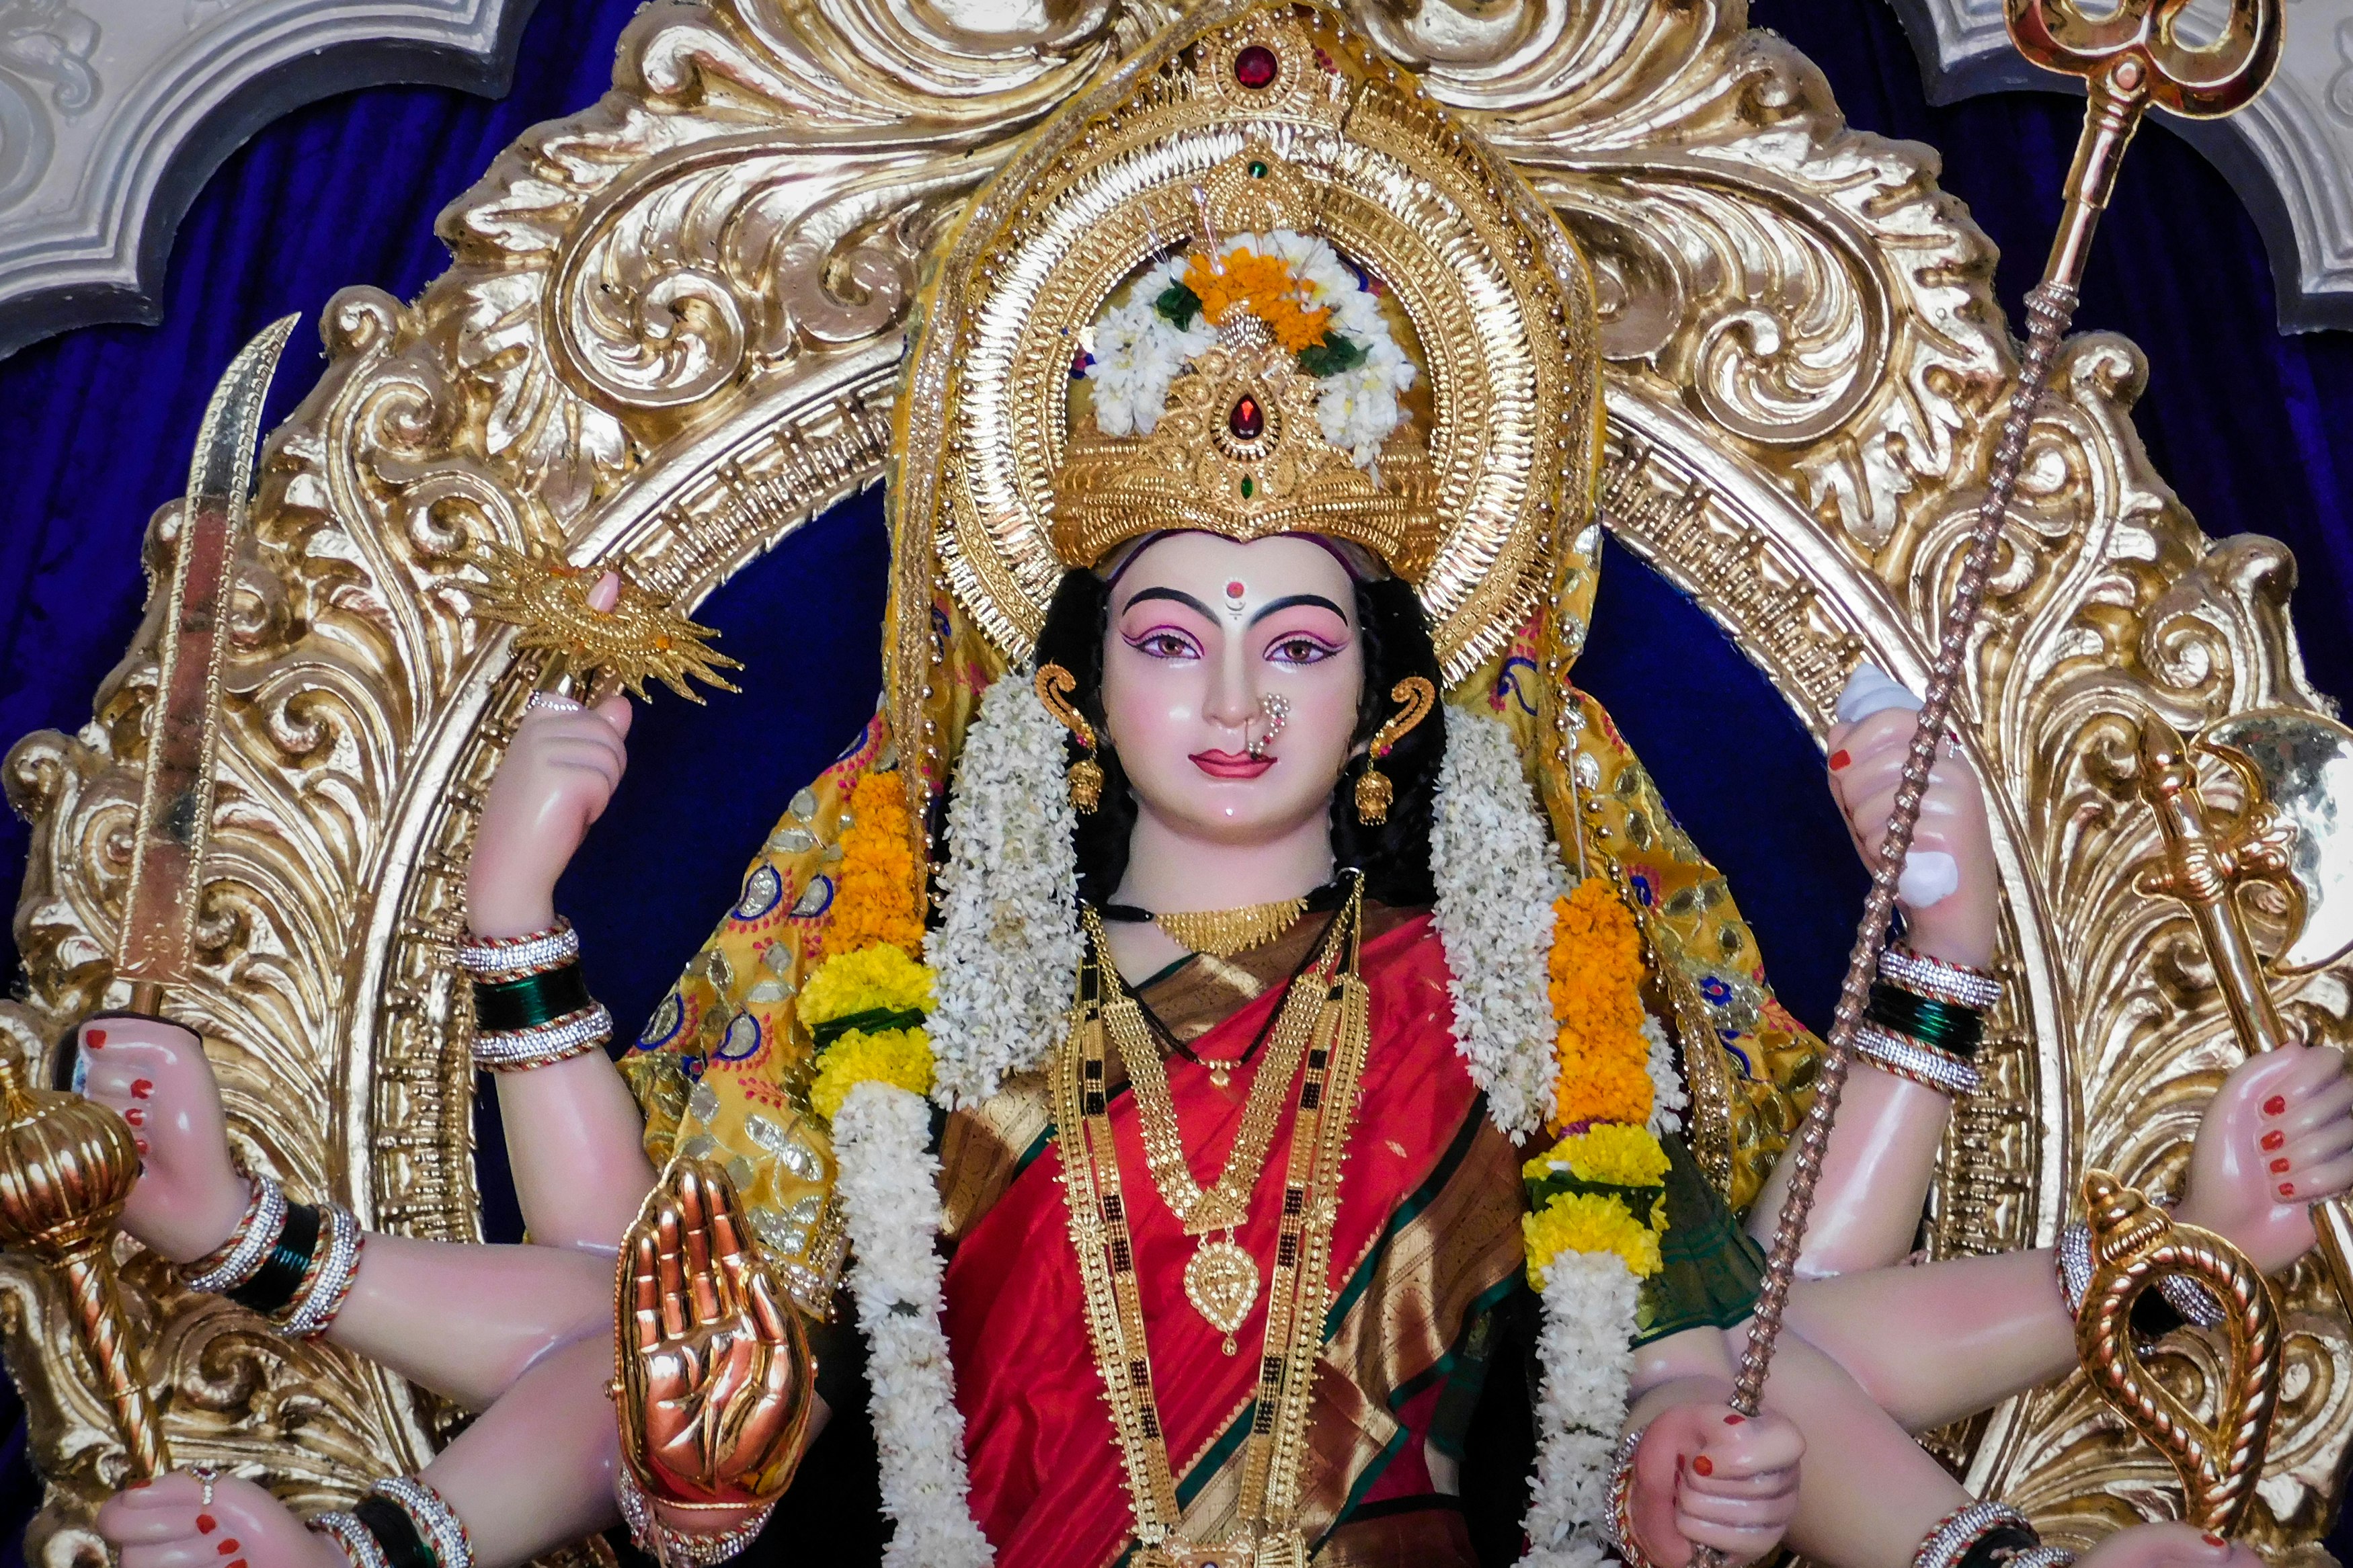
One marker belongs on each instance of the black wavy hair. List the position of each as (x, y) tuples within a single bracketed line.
[(1394, 857)]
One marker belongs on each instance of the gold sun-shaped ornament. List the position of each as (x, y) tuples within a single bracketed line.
[(639, 638)]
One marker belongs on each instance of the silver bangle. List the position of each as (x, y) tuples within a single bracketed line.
[(1924, 1064), (2039, 1557), (435, 1520), (2074, 1262), (265, 1220), (511, 957), (351, 1538), (330, 1281), (516, 1050), (1937, 980), (678, 1548), (1963, 1527)]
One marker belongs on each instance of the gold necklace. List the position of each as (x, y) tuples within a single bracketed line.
[(1222, 1279), (1295, 1311), (1222, 933)]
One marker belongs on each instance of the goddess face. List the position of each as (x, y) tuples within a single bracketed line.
[(1203, 632)]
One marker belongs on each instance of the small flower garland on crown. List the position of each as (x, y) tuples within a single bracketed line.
[(1316, 307)]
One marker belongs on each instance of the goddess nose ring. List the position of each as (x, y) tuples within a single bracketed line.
[(1277, 709)]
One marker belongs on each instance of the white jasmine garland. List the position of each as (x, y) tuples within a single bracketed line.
[(1138, 351), (1667, 1098), (1005, 951), (1497, 872), (891, 1200), (1589, 1365)]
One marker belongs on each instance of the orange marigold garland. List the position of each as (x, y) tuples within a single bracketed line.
[(1264, 284), (874, 889), (1596, 969)]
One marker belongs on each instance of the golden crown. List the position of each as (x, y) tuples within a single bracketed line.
[(1238, 451)]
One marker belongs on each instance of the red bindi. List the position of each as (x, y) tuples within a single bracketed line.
[(1234, 590)]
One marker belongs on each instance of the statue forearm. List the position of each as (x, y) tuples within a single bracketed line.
[(471, 1322), (575, 1150), (535, 1471), (1883, 1151), (1943, 1340)]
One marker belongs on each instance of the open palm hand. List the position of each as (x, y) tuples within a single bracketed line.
[(715, 1372)]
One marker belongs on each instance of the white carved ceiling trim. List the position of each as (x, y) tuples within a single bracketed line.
[(114, 112), (2289, 154)]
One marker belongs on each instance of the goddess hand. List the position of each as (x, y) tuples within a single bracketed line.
[(556, 779), (1866, 765), (2161, 1546), (2276, 1139), (716, 1380), (168, 1523), (1706, 1476), (189, 1196)]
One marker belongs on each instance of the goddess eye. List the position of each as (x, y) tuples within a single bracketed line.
[(1162, 642), (1299, 650)]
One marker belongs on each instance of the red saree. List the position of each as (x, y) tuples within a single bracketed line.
[(1047, 1483)]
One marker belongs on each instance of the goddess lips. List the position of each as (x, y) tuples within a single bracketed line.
[(1231, 764)]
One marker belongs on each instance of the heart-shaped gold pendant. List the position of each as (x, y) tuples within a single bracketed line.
[(1221, 1281), (2134, 1245)]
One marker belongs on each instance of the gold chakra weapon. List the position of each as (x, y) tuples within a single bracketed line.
[(2129, 58), (2134, 1245), (591, 629), (66, 1164)]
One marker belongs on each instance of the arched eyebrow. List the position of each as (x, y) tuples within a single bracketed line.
[(1317, 600), (1181, 597)]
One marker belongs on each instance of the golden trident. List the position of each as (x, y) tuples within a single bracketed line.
[(2129, 58)]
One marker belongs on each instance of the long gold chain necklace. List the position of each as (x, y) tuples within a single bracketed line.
[(1222, 1279), (1302, 1290)]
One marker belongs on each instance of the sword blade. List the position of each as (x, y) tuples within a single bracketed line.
[(175, 798)]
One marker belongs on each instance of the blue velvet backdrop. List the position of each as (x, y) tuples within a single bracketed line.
[(99, 422)]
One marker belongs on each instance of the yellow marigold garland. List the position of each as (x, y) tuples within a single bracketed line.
[(1264, 285), (901, 1056), (874, 889), (879, 979), (1601, 1187), (871, 977)]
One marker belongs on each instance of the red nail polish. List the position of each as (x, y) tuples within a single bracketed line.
[(1702, 1465), (1735, 1419), (230, 1548), (2279, 1167), (1838, 759), (141, 1089), (136, 1116), (141, 1144), (2214, 1539), (2273, 1138), (241, 1563), (2277, 1105), (2287, 1190), (93, 1038), (206, 1525)]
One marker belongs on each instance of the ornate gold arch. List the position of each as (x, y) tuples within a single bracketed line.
[(673, 326)]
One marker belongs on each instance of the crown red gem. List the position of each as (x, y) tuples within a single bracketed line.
[(1247, 421), (1254, 67)]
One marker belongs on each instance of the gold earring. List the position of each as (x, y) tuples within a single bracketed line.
[(1055, 685), (1415, 698)]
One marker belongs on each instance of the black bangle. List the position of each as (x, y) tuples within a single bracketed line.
[(282, 1274), (533, 1000), (404, 1544), (1943, 1024), (1995, 1547)]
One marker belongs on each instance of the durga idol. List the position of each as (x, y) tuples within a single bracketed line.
[(1212, 996)]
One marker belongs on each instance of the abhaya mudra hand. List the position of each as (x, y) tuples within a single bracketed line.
[(715, 1376)]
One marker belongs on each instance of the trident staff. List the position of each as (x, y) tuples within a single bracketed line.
[(2130, 60)]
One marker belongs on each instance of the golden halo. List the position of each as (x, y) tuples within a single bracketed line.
[(1496, 297)]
